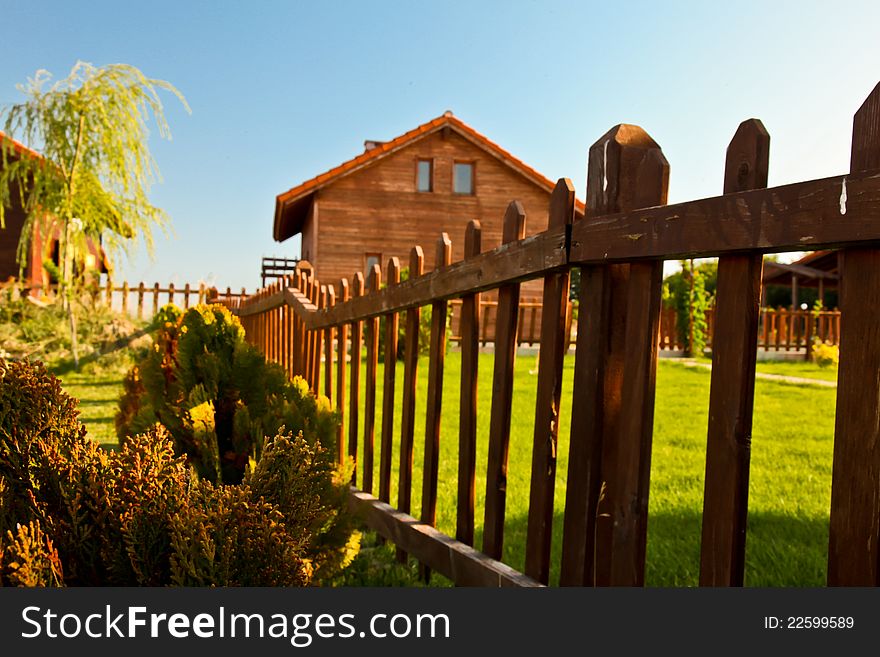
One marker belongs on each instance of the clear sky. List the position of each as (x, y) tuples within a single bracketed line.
[(282, 91)]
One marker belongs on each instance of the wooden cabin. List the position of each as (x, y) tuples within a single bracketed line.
[(41, 247), (403, 192)]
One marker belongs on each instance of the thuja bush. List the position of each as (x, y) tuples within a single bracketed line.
[(216, 395), (74, 514)]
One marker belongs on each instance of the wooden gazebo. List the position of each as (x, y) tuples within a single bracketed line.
[(819, 269)]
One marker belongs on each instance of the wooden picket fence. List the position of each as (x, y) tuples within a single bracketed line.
[(141, 300), (528, 331), (778, 329), (311, 328)]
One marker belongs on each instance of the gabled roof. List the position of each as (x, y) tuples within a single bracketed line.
[(292, 206)]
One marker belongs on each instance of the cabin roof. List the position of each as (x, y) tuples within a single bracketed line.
[(292, 206), (16, 145)]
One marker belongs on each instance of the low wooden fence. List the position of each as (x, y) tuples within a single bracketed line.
[(778, 329), (143, 300), (619, 247)]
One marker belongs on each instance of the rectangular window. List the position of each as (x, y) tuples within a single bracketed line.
[(425, 175), (463, 178), (371, 259)]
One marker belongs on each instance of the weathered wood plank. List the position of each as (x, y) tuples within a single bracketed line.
[(854, 538), (357, 289), (457, 561), (731, 399), (388, 384), (549, 392), (467, 426), (341, 358), (794, 217), (502, 396), (372, 329)]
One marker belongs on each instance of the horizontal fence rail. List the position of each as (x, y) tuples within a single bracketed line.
[(310, 328)]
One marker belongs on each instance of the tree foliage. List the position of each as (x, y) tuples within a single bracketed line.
[(91, 183), (91, 129)]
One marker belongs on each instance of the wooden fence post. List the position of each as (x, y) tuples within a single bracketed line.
[(410, 374), (357, 290), (433, 411), (328, 346), (370, 384), (854, 540), (321, 292), (155, 299), (553, 346), (341, 350), (732, 392), (140, 301), (186, 293), (125, 292), (389, 369), (506, 320), (469, 330), (613, 408)]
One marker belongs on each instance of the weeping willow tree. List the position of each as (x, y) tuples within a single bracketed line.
[(90, 186)]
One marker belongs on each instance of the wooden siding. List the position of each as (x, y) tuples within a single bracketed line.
[(378, 210)]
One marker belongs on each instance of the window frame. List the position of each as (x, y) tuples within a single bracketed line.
[(473, 165), (367, 256), (430, 162)]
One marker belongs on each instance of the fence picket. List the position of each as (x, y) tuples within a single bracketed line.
[(357, 289), (854, 541), (410, 379), (341, 350), (543, 481), (506, 320), (469, 327), (328, 346), (389, 369), (372, 329), (732, 391)]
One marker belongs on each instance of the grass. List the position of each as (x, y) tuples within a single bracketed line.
[(789, 487), (98, 392), (798, 368), (790, 476)]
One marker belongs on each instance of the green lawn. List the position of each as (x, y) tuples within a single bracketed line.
[(798, 368), (98, 395), (790, 476)]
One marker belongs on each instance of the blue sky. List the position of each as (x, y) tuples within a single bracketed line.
[(282, 91)]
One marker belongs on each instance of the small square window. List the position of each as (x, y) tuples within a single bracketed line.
[(425, 176), (371, 259), (463, 178)]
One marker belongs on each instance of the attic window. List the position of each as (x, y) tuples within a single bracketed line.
[(425, 176), (463, 178)]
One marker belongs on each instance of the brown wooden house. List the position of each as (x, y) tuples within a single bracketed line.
[(41, 246), (406, 191)]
